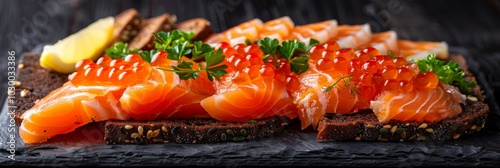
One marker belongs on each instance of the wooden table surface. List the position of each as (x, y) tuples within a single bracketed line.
[(470, 27)]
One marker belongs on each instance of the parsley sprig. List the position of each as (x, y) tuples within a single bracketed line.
[(119, 50), (166, 40), (450, 73), (292, 50), (178, 44)]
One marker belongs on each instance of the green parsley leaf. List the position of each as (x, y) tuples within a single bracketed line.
[(268, 45), (299, 65), (164, 40), (214, 58), (305, 49), (177, 51), (200, 50), (119, 50), (449, 73), (147, 56), (287, 48), (216, 72)]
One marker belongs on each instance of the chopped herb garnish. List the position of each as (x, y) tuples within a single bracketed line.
[(304, 48), (268, 45), (177, 51), (212, 59), (147, 55), (119, 50), (166, 40), (287, 48), (200, 50), (449, 73), (299, 64), (347, 85)]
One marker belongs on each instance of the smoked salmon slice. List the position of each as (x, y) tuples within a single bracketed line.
[(279, 28), (352, 36), (417, 50), (250, 90), (114, 90), (239, 34), (383, 42), (68, 108), (165, 94), (420, 105), (321, 31)]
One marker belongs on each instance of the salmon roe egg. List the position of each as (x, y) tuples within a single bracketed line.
[(324, 64), (104, 61), (267, 70), (389, 72), (362, 56), (341, 64), (329, 54), (404, 74), (253, 71), (366, 79), (370, 66), (347, 53), (355, 63), (292, 83), (433, 79), (356, 72), (412, 67), (83, 64), (405, 86), (316, 52), (421, 81), (240, 48), (254, 49), (378, 79), (372, 52), (391, 85), (254, 59), (332, 46), (400, 61), (238, 62)]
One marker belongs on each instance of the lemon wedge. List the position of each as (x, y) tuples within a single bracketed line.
[(87, 43)]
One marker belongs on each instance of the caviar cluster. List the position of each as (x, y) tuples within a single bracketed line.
[(114, 72), (249, 61), (370, 71)]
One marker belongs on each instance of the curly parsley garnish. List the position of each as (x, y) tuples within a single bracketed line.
[(119, 50), (292, 50), (178, 44), (450, 73)]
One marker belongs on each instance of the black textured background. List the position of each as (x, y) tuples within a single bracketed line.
[(471, 28)]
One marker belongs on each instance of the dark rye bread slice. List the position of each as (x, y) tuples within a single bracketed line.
[(35, 82), (365, 125), (199, 26), (127, 26), (145, 39), (191, 131)]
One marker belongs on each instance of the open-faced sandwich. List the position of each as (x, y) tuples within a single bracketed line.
[(251, 81)]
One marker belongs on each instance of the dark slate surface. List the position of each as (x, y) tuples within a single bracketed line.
[(470, 27)]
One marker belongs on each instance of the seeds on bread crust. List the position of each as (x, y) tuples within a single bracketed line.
[(192, 131)]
